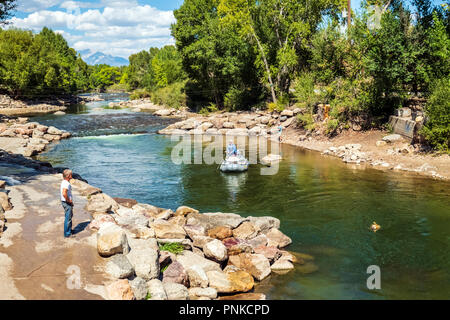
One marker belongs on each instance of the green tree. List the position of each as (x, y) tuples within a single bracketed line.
[(6, 8)]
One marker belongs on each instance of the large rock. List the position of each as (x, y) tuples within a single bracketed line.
[(100, 220), (239, 281), (287, 113), (147, 209), (183, 210), (189, 259), (195, 293), (255, 264), (166, 230), (246, 230), (176, 291), (134, 220), (194, 230), (277, 238), (392, 138), (270, 252), (119, 267), (139, 287), (216, 219), (220, 232), (4, 201), (128, 203), (120, 290), (197, 277), (156, 290), (282, 265), (264, 224), (111, 239), (101, 203), (145, 262), (236, 246), (215, 250), (201, 241), (175, 273)]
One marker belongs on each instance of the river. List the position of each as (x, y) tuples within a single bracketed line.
[(325, 206)]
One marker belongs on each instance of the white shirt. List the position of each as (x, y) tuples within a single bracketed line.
[(66, 185)]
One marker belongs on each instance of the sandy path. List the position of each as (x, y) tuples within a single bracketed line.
[(36, 262)]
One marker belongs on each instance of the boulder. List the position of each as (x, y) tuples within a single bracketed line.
[(260, 240), (156, 290), (4, 201), (287, 113), (101, 203), (145, 262), (134, 220), (201, 241), (2, 184), (239, 281), (175, 291), (246, 230), (120, 290), (119, 267), (220, 232), (147, 210), (216, 219), (128, 203), (189, 259), (194, 230), (236, 246), (270, 252), (111, 239), (228, 125), (164, 112), (55, 131), (215, 250), (166, 230), (195, 293), (197, 277), (255, 264), (392, 138), (183, 210), (282, 265), (139, 287), (277, 238), (264, 224), (175, 273)]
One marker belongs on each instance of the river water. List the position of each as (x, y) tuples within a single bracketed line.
[(325, 206)]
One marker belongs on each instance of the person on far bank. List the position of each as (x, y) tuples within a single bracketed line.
[(67, 202), (280, 131)]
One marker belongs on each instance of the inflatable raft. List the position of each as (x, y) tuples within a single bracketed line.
[(234, 164)]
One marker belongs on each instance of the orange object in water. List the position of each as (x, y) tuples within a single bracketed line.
[(375, 227)]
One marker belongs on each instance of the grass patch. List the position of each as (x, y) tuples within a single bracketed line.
[(148, 296), (174, 248)]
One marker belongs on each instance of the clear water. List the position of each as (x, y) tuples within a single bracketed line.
[(325, 206)]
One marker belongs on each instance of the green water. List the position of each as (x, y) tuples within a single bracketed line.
[(324, 205)]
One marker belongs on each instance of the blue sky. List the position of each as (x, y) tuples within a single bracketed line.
[(116, 27)]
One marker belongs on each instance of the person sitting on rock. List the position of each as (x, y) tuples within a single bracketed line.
[(231, 149), (67, 202)]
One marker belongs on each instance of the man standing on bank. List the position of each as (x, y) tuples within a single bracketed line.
[(67, 202)]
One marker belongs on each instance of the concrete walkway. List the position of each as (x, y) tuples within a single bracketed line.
[(36, 261)]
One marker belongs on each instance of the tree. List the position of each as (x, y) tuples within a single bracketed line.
[(280, 31), (6, 8)]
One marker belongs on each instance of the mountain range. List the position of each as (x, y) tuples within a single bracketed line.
[(102, 58)]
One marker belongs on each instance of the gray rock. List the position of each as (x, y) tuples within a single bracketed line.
[(176, 291), (189, 259), (145, 262), (119, 267), (215, 250), (139, 287), (111, 239), (210, 293), (197, 277), (156, 290), (392, 138)]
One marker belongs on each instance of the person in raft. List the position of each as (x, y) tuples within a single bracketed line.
[(67, 202), (231, 149)]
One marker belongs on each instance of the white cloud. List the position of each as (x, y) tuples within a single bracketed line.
[(35, 5), (117, 29)]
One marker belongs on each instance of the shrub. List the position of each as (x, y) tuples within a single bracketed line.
[(139, 94), (172, 96), (305, 94), (332, 125), (175, 248), (306, 120), (208, 109), (437, 129)]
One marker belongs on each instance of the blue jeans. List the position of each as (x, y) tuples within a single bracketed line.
[(68, 218)]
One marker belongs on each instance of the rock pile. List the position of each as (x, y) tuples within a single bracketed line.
[(19, 136), (350, 153), (5, 205), (259, 123), (212, 253)]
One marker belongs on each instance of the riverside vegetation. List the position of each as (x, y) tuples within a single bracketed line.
[(236, 55)]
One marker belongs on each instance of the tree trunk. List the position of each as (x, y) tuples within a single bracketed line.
[(272, 90)]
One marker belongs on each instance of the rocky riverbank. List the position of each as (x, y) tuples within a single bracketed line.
[(18, 136), (15, 107), (375, 148), (144, 252)]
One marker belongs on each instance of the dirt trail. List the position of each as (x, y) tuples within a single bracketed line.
[(36, 261)]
